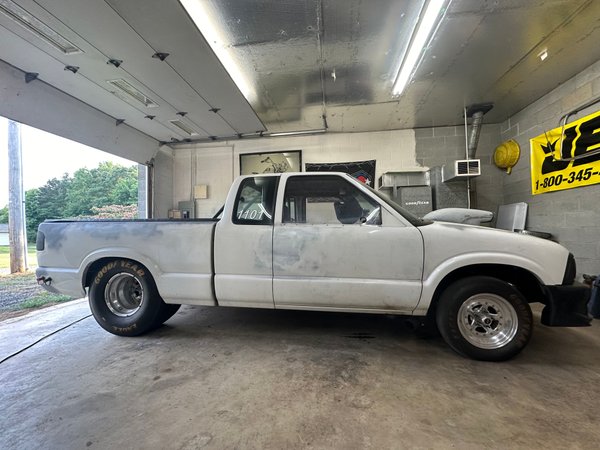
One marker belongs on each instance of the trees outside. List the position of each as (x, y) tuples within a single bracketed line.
[(108, 184), (106, 192), (46, 202)]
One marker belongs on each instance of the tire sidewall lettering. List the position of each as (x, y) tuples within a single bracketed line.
[(136, 269), (144, 318)]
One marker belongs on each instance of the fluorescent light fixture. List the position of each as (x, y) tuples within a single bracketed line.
[(17, 14), (425, 30), (295, 133), (216, 38), (183, 127), (127, 92)]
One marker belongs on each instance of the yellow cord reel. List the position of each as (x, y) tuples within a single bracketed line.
[(506, 155)]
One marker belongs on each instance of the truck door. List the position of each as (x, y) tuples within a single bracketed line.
[(244, 245), (335, 247)]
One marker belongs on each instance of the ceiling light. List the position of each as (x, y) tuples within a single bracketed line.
[(17, 14), (215, 37), (130, 93), (543, 54), (183, 127), (429, 20)]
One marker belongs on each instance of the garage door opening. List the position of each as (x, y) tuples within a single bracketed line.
[(60, 179)]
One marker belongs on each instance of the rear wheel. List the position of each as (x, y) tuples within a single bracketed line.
[(124, 299), (484, 318)]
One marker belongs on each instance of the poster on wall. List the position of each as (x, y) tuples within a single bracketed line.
[(271, 162), (551, 169), (362, 170)]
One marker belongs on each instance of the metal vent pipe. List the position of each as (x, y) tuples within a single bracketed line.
[(474, 134), (476, 112)]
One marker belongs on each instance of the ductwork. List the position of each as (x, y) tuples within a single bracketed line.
[(476, 112), (474, 134)]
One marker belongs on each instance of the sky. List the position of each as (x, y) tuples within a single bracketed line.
[(47, 156)]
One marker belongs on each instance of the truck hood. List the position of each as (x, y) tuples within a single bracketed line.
[(448, 243)]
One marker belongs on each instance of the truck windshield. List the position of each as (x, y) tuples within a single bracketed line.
[(414, 220)]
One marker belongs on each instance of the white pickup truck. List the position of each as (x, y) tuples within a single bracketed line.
[(321, 242)]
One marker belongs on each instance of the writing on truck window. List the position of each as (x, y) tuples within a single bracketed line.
[(254, 213), (254, 202)]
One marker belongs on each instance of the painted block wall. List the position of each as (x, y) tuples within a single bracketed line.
[(163, 182), (573, 216), (142, 200), (216, 165), (437, 146)]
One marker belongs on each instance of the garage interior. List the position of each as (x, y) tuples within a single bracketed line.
[(184, 88)]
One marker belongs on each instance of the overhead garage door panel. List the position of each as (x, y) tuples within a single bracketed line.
[(167, 28)]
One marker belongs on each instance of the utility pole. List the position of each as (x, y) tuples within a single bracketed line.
[(16, 210)]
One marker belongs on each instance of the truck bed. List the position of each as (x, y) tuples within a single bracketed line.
[(179, 254)]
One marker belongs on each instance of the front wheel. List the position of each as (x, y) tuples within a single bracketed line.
[(124, 299), (484, 318)]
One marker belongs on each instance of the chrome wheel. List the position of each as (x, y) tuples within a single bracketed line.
[(487, 321), (123, 294)]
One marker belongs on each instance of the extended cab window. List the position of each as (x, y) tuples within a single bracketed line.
[(327, 200), (254, 201)]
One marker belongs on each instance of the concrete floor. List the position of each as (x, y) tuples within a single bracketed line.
[(235, 378)]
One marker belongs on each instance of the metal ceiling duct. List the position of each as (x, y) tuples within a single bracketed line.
[(311, 62), (476, 113)]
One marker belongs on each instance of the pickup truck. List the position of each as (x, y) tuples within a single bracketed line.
[(326, 242)]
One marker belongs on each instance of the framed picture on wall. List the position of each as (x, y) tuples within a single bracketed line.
[(271, 162)]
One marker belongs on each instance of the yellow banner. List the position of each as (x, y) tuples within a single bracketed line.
[(555, 170)]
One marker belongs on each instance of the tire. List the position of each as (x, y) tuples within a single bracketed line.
[(124, 299), (484, 318)]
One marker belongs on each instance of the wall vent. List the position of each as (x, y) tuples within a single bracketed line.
[(461, 170)]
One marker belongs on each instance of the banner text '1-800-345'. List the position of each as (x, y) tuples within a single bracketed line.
[(553, 169)]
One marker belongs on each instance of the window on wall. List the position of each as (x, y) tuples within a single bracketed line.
[(327, 200), (254, 201)]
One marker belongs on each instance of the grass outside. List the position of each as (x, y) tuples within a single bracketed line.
[(20, 293), (44, 299), (5, 257)]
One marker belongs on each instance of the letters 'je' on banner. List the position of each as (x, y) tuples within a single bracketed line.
[(551, 169)]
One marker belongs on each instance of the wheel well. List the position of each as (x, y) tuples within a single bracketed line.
[(522, 279), (91, 270)]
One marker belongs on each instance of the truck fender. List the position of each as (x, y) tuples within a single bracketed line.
[(115, 253), (433, 280)]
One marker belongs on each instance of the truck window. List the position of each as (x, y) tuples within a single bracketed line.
[(254, 201), (327, 200)]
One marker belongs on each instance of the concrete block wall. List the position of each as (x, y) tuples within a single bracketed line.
[(142, 198), (438, 146), (210, 166), (163, 182), (217, 164), (572, 216)]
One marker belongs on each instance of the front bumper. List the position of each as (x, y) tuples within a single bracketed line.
[(566, 306)]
